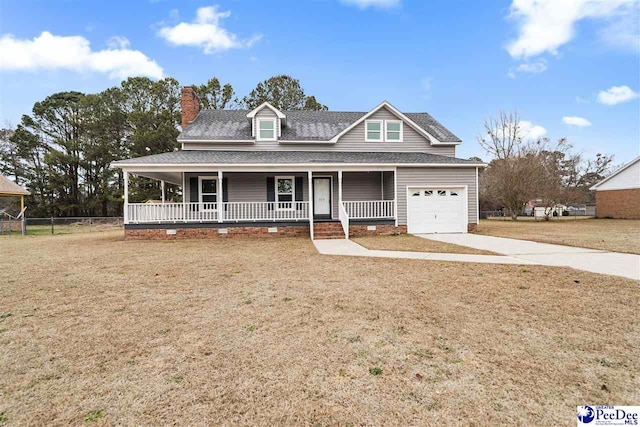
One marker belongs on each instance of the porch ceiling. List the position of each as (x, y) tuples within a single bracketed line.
[(170, 177)]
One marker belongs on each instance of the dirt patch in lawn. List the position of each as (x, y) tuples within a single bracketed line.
[(617, 235), (407, 242), (98, 331)]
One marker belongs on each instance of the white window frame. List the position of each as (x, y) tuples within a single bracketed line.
[(200, 193), (293, 193), (386, 123), (275, 130), (366, 131)]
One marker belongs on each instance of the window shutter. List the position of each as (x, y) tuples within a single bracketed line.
[(271, 191), (225, 191), (193, 192), (299, 189)]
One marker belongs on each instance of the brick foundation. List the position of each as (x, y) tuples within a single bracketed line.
[(214, 233), (472, 228), (359, 230), (622, 204)]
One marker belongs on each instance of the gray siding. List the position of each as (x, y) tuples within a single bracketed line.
[(362, 186), (387, 186), (351, 141), (428, 177), (248, 187)]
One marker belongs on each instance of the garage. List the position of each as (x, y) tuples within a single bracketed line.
[(436, 210)]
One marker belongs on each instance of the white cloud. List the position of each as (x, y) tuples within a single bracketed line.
[(529, 131), (534, 67), (117, 42), (576, 121), (205, 32), (616, 95), (581, 100), (380, 4), (51, 52), (529, 67), (545, 25)]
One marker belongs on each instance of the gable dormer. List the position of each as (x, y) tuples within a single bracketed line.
[(266, 122)]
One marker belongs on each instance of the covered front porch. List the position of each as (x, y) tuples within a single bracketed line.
[(228, 198)]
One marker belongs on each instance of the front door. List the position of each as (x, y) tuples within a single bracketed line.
[(322, 197)]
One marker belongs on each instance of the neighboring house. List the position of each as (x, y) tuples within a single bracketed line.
[(618, 195), (320, 173), (537, 208)]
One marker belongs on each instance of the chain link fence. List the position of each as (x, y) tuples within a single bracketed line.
[(49, 226)]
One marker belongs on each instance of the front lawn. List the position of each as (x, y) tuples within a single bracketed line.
[(617, 235), (407, 242), (98, 331)]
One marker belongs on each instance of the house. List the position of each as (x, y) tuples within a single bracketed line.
[(8, 222), (324, 174), (618, 195)]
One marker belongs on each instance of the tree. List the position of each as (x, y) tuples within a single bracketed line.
[(152, 109), (214, 96), (283, 92), (525, 169), (511, 178)]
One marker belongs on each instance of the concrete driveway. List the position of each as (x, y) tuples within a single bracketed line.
[(596, 261)]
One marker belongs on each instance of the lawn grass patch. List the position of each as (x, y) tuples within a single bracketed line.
[(408, 242), (616, 235), (456, 343)]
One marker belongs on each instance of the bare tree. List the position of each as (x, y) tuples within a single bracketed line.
[(512, 176)]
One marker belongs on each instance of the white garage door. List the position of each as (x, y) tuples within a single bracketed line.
[(436, 210)]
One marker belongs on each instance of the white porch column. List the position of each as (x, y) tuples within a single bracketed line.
[(184, 199), (126, 197), (162, 190), (310, 175), (340, 189), (219, 198), (395, 194)]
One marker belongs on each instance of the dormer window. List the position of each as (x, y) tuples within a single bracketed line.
[(373, 130), (393, 130), (266, 129), (383, 130)]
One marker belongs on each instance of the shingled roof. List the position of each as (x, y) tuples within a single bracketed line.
[(193, 157), (232, 125), (10, 188)]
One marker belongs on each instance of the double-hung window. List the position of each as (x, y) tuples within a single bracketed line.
[(208, 193), (266, 129), (373, 129), (285, 189), (393, 130), (383, 130)]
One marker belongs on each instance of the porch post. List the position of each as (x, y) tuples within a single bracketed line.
[(395, 194), (219, 197), (339, 190), (310, 176), (184, 198), (162, 190), (126, 197)]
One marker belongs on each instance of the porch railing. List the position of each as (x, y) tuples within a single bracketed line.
[(369, 209), (171, 212), (251, 211), (140, 213), (265, 211)]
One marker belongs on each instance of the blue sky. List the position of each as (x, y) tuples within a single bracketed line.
[(571, 69)]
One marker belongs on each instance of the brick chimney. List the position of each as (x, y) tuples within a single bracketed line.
[(190, 104)]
